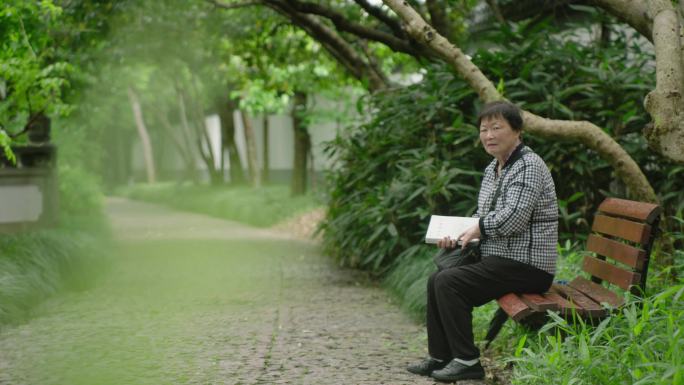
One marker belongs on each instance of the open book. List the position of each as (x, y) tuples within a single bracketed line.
[(442, 226)]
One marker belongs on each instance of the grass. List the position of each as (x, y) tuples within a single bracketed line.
[(263, 207), (642, 344), (35, 265)]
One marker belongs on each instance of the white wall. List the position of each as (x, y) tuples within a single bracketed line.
[(280, 141)]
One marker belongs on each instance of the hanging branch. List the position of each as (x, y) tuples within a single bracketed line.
[(379, 14), (343, 24), (337, 46)]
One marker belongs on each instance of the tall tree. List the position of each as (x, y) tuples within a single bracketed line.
[(294, 67), (302, 144), (226, 108), (250, 139), (144, 136)]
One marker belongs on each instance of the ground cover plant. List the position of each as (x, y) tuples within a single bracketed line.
[(261, 207)]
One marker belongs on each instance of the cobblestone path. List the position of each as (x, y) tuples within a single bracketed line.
[(194, 300)]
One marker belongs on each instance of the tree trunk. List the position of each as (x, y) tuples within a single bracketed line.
[(302, 145), (184, 149), (312, 169), (660, 22), (226, 110), (197, 133), (265, 176), (665, 104), (252, 164), (144, 136), (203, 139)]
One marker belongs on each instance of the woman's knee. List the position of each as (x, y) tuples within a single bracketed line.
[(431, 280), (444, 279)]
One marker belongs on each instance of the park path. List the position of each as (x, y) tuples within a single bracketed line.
[(189, 299)]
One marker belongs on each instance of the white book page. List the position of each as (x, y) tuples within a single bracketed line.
[(443, 226)]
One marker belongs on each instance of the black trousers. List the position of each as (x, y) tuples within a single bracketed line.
[(452, 294)]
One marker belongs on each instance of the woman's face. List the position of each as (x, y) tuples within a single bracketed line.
[(497, 137)]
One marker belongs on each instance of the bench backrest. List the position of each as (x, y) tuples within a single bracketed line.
[(623, 234)]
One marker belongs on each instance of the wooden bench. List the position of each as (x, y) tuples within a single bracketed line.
[(623, 233)]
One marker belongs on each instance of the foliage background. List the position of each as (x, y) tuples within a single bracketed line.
[(419, 153)]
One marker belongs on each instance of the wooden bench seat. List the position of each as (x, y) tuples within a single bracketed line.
[(618, 254)]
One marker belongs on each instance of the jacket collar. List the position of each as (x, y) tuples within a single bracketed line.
[(515, 155)]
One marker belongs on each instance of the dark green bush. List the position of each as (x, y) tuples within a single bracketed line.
[(419, 154), (37, 264), (416, 157)]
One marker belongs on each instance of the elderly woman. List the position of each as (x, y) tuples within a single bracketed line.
[(518, 229)]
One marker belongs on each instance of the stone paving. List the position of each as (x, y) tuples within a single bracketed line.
[(309, 322)]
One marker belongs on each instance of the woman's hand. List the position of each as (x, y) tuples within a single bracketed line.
[(470, 234), (446, 243)]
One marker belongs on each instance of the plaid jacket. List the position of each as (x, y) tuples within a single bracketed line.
[(523, 224)]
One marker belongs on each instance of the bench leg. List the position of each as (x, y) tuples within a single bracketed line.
[(495, 325)]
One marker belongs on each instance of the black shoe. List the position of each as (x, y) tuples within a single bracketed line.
[(426, 366), (456, 371)]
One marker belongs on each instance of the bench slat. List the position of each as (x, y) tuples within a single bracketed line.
[(587, 306), (538, 302), (639, 211), (564, 306), (596, 292), (610, 273), (514, 306), (631, 231), (630, 256)]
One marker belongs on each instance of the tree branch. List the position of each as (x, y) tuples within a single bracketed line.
[(585, 132), (417, 27), (339, 48), (343, 24), (223, 5), (633, 12), (379, 14), (603, 144)]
